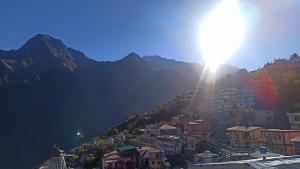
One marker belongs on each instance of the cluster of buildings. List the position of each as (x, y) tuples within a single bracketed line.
[(159, 140), (183, 135), (238, 105), (278, 141), (172, 140), (282, 147), (130, 157), (231, 105)]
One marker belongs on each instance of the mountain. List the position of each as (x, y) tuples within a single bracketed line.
[(275, 86), (49, 92), (283, 89), (191, 70)]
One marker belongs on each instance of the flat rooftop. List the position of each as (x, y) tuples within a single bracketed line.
[(284, 162), (243, 128), (279, 130), (167, 127)]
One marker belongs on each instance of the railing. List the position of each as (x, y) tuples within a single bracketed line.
[(218, 145)]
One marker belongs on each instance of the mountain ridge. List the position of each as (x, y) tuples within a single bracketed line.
[(51, 91)]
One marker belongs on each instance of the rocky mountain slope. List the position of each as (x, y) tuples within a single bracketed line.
[(49, 92)]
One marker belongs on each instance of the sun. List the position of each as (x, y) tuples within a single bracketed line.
[(221, 33)]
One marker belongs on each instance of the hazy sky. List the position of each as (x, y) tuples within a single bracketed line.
[(109, 30)]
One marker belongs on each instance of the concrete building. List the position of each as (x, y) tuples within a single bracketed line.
[(152, 129), (296, 145), (231, 101), (169, 144), (245, 137), (161, 129), (198, 127), (168, 130), (279, 141), (245, 99), (260, 117), (225, 100), (125, 157), (132, 139), (206, 157), (147, 140), (294, 119), (232, 155), (151, 158), (190, 143), (263, 117)]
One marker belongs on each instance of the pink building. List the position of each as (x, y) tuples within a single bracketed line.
[(198, 127), (125, 157)]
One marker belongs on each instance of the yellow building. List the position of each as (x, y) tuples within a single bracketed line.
[(279, 141), (245, 137), (151, 158)]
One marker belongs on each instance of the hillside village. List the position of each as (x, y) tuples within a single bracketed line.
[(240, 118)]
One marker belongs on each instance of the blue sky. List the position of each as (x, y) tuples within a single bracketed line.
[(109, 30)]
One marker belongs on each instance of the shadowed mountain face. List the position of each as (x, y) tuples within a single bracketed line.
[(190, 70), (49, 92)]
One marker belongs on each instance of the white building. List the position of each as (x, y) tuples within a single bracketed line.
[(152, 129), (294, 119), (169, 144), (57, 161), (263, 117)]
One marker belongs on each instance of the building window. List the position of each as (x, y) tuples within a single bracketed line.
[(297, 118), (153, 162), (279, 137)]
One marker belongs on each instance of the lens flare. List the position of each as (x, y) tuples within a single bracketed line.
[(221, 33)]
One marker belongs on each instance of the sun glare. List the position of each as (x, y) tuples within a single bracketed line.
[(221, 33)]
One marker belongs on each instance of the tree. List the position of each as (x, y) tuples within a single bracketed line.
[(112, 131), (89, 162)]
